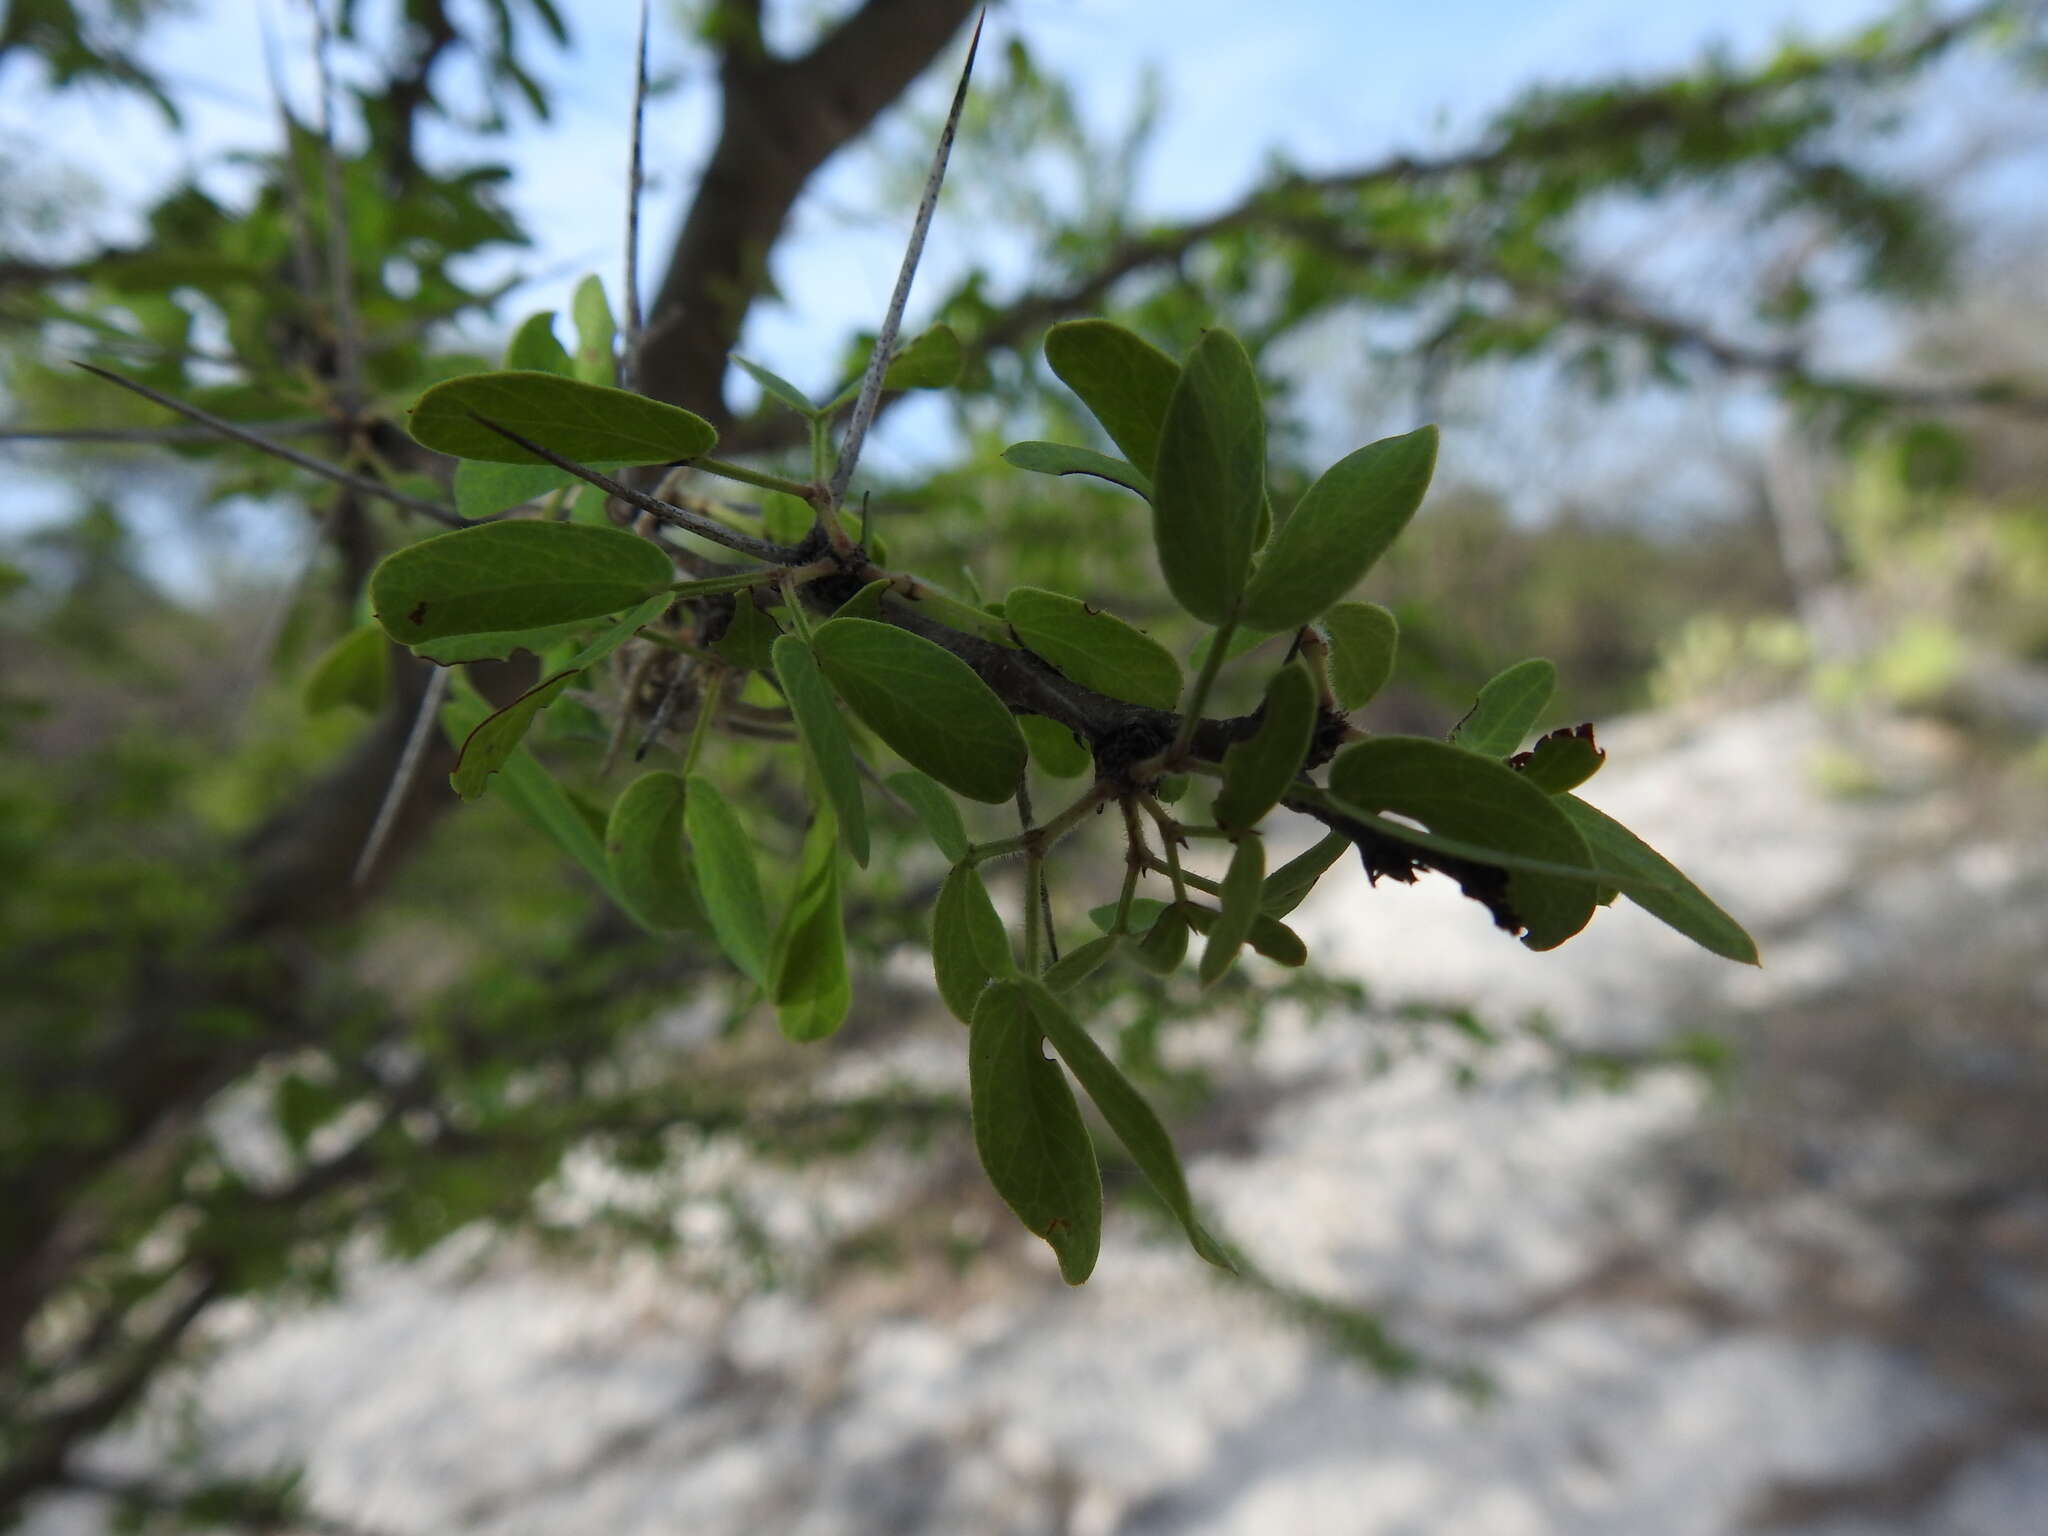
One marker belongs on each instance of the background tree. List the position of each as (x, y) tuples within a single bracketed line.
[(187, 915)]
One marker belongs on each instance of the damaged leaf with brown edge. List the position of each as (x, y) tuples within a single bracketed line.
[(1029, 1133), (1485, 804)]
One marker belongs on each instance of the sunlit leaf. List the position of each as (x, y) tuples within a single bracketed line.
[(930, 360), (970, 946), (591, 423), (1029, 1133), (502, 578), (355, 670), (926, 703), (1060, 459), (776, 387), (1485, 805), (825, 741), (1507, 708), (1258, 770), (726, 878), (1098, 650), (1124, 380), (1126, 1113), (1342, 525), (643, 843), (1653, 883), (1210, 480), (534, 347), (1363, 639), (596, 337)]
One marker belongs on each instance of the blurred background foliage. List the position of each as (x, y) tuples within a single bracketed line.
[(225, 1067)]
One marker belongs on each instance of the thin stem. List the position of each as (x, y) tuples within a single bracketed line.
[(709, 693), (1040, 903), (885, 340), (693, 522), (794, 603), (739, 581), (311, 465), (1034, 883), (1136, 858), (1188, 877), (760, 478), (1169, 839), (634, 184), (148, 435), (402, 777), (1198, 693)]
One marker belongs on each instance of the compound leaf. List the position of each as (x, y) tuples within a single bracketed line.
[(1243, 883), (1124, 380), (1653, 883)]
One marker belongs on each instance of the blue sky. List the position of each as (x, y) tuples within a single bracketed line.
[(1327, 83)]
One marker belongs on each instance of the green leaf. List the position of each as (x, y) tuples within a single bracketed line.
[(1096, 649), (1077, 965), (1059, 459), (1124, 380), (596, 334), (749, 640), (1288, 885), (926, 703), (535, 795), (1126, 1113), (785, 518), (1165, 944), (866, 603), (931, 360), (808, 979), (1484, 804), (534, 348), (1056, 750), (504, 578), (1277, 942), (1029, 1133), (483, 489), (1653, 883), (776, 387), (1506, 708), (1258, 769), (1363, 640), (643, 844), (970, 947), (592, 423), (724, 856), (1145, 911), (356, 669), (935, 808), (1562, 760), (826, 743), (486, 748), (1210, 481), (1243, 883), (1339, 528)]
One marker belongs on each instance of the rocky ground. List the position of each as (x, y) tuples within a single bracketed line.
[(1808, 1296)]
